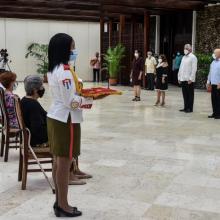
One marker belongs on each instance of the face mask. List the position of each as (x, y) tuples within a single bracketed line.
[(160, 60), (213, 56), (178, 54), (41, 92), (73, 55), (186, 52), (136, 55)]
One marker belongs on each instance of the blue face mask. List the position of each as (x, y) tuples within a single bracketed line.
[(73, 55)]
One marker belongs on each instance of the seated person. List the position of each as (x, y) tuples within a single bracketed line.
[(8, 81), (33, 114), (35, 117)]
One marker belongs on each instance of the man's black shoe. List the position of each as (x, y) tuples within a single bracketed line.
[(211, 116), (182, 110), (188, 111)]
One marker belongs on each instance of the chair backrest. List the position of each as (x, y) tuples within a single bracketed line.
[(5, 119), (19, 112), (24, 130)]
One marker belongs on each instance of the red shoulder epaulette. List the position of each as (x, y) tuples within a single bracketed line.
[(66, 67)]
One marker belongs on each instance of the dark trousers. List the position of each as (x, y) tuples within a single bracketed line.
[(188, 95), (96, 73), (216, 101), (175, 77), (150, 81)]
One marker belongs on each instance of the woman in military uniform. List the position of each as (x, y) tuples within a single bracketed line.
[(63, 119)]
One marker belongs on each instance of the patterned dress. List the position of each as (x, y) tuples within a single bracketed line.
[(10, 107)]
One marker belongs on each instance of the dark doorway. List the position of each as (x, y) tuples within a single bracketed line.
[(176, 30)]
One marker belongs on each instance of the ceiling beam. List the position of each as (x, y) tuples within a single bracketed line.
[(27, 9), (48, 16), (89, 5), (93, 9), (165, 4)]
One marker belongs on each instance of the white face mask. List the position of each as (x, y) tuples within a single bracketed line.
[(186, 52), (149, 55), (136, 55), (160, 60), (213, 56)]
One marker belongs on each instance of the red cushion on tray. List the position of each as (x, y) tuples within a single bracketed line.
[(99, 92)]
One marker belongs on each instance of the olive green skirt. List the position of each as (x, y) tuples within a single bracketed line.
[(64, 138)]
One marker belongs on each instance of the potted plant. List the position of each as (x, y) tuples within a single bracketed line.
[(40, 53), (112, 62), (204, 61)]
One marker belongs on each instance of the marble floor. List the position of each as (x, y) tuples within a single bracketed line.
[(148, 163)]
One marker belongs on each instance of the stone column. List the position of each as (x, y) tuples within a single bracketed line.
[(194, 30)]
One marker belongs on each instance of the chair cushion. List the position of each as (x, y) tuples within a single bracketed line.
[(41, 149)]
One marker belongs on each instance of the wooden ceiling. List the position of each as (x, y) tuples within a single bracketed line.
[(91, 10)]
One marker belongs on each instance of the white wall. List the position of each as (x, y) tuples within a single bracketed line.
[(17, 34)]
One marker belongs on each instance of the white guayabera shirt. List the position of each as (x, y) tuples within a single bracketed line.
[(65, 100), (188, 68)]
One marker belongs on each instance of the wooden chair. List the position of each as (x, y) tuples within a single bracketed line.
[(9, 136), (27, 158)]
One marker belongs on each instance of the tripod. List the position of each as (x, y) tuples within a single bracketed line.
[(4, 66)]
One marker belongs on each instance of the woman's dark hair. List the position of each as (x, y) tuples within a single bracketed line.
[(163, 57), (59, 50), (7, 78)]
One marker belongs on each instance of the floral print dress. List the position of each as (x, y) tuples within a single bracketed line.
[(10, 107)]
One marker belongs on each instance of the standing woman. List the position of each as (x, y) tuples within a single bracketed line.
[(161, 79), (63, 119), (137, 74)]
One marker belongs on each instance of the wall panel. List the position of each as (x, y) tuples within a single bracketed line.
[(20, 33)]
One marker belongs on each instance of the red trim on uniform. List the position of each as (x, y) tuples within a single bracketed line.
[(66, 67), (71, 141)]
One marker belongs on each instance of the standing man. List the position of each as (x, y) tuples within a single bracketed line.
[(214, 82), (150, 68), (187, 77), (95, 64)]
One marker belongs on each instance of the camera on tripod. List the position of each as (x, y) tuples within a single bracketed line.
[(4, 55), (4, 60)]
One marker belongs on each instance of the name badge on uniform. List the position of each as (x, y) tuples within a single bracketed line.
[(67, 83)]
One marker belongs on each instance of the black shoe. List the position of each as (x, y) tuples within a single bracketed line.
[(138, 99), (134, 99), (55, 206), (61, 213), (217, 117), (182, 110), (211, 116), (188, 111)]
